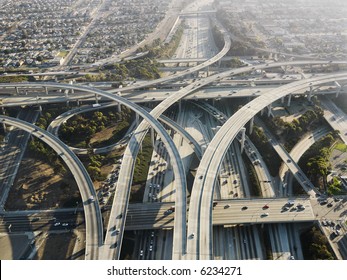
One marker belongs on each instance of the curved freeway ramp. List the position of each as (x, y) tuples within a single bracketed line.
[(58, 121), (93, 219), (118, 214), (201, 199)]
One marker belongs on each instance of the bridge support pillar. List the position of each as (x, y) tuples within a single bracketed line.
[(310, 94), (40, 108), (3, 111), (137, 118), (207, 71), (289, 99), (219, 63), (169, 165), (262, 112), (338, 88), (243, 138), (78, 102), (72, 91), (67, 103), (96, 99), (179, 106), (251, 125), (282, 99), (4, 128), (269, 112), (17, 90), (46, 90), (285, 69), (119, 108), (153, 137)]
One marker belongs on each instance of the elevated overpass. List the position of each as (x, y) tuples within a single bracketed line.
[(93, 218), (119, 214), (207, 173)]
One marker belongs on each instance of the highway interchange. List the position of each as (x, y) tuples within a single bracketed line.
[(192, 236)]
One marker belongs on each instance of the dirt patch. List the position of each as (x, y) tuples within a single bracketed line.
[(37, 186), (103, 135), (57, 247)]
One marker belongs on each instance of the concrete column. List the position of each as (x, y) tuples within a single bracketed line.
[(72, 91), (153, 137), (310, 94), (67, 103), (46, 90), (3, 110), (40, 108), (289, 99), (262, 112), (282, 99), (137, 117), (338, 88), (269, 108), (251, 125), (179, 106), (17, 90), (96, 99), (169, 165), (243, 137), (207, 71), (78, 102), (119, 107)]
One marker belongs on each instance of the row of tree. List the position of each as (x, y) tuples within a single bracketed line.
[(82, 127), (291, 132), (316, 163)]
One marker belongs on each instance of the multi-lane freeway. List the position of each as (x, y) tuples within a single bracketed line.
[(192, 236)]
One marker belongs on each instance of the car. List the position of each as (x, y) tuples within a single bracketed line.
[(57, 224), (323, 202), (263, 215), (324, 223), (200, 177), (226, 206), (65, 224), (235, 181), (289, 160), (330, 204), (168, 212), (192, 235), (290, 203), (91, 199), (150, 248), (266, 207), (336, 199), (244, 208), (35, 219), (285, 208), (152, 234), (301, 207), (141, 253)]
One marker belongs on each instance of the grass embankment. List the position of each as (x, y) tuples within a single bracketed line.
[(141, 170), (315, 245)]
